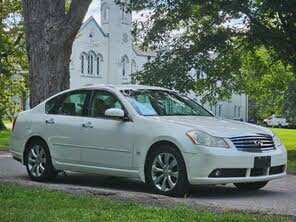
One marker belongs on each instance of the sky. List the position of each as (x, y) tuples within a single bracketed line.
[(94, 10)]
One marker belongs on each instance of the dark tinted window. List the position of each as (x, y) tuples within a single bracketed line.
[(103, 100), (72, 104)]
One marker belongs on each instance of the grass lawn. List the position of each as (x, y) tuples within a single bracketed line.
[(22, 204), (4, 136), (288, 137), (4, 139)]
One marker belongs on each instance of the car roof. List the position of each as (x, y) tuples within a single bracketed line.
[(123, 87)]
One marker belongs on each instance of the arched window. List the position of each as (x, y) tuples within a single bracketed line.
[(220, 110), (133, 67), (124, 11), (105, 12), (123, 15), (124, 63), (82, 63), (99, 64), (90, 64), (82, 58)]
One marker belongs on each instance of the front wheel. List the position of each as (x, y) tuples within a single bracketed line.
[(38, 162), (166, 172), (251, 186)]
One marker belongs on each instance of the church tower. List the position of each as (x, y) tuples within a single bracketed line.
[(117, 23)]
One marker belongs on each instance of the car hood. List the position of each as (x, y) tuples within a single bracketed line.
[(216, 126)]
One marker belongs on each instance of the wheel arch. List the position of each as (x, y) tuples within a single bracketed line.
[(29, 142), (154, 146)]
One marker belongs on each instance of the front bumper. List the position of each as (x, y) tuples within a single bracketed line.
[(201, 164)]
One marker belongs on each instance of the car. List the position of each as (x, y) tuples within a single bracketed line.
[(276, 121), (150, 133)]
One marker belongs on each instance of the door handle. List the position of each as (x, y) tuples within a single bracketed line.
[(87, 125), (50, 121)]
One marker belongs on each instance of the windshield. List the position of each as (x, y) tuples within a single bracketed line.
[(163, 103)]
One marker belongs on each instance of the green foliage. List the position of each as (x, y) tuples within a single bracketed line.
[(20, 204), (215, 37), (266, 82), (13, 60), (269, 23)]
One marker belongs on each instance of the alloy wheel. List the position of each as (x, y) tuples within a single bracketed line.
[(37, 160), (165, 172)]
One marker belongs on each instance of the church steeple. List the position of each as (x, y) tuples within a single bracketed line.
[(114, 15), (117, 23)]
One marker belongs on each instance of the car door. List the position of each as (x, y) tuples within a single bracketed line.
[(62, 126), (108, 142)]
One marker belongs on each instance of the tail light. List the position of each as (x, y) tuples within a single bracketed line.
[(13, 123)]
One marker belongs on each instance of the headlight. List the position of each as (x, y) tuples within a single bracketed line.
[(204, 139), (277, 141)]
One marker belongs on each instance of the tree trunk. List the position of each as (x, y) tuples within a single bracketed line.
[(50, 33), (24, 100), (49, 70)]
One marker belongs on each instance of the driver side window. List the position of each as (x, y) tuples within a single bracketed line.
[(103, 100)]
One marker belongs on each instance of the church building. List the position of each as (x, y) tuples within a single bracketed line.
[(105, 54)]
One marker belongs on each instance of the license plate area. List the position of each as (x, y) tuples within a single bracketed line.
[(262, 162)]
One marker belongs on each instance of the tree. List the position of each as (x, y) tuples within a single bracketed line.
[(290, 103), (266, 82), (13, 62), (50, 31), (209, 36)]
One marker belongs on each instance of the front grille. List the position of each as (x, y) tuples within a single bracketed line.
[(256, 143), (256, 172)]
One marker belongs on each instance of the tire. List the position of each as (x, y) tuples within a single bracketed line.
[(38, 162), (166, 171), (251, 186)]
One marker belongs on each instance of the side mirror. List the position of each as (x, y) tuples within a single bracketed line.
[(114, 112)]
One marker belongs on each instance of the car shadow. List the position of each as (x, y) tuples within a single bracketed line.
[(135, 185)]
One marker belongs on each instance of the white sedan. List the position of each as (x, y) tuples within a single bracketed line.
[(151, 133)]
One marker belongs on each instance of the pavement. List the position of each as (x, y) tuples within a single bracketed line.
[(277, 198)]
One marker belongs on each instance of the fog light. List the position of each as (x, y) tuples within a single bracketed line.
[(218, 173)]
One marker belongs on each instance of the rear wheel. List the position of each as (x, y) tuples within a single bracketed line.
[(166, 172), (251, 186), (38, 161)]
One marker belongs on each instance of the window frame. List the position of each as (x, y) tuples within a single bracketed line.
[(82, 63), (125, 66), (98, 66), (66, 94), (105, 12), (127, 117), (90, 64)]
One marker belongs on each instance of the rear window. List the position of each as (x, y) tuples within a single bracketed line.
[(71, 104)]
